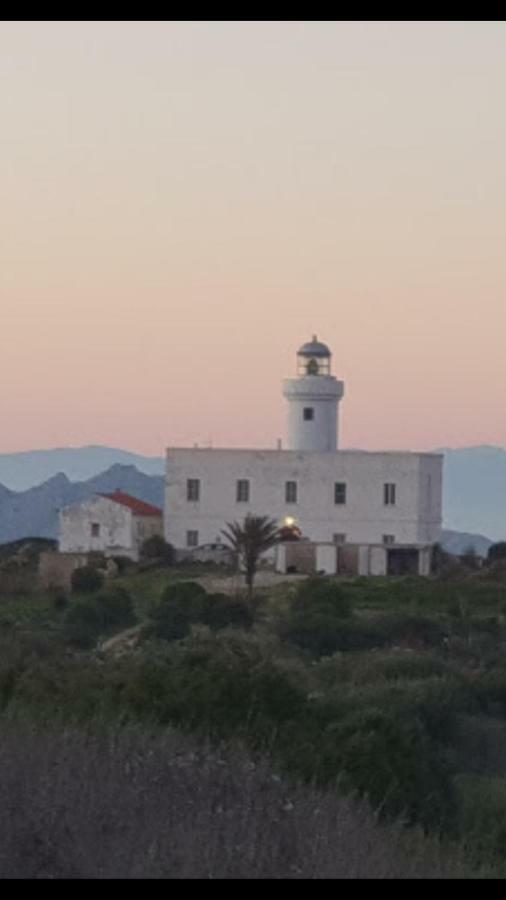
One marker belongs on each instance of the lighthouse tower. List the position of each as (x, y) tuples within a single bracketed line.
[(312, 400)]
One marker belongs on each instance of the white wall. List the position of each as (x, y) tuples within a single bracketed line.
[(326, 559), (116, 528), (364, 519), (322, 393)]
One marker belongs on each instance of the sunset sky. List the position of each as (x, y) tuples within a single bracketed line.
[(183, 204)]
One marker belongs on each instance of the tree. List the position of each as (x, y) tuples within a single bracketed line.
[(497, 552), (469, 557), (86, 579), (249, 540), (157, 548)]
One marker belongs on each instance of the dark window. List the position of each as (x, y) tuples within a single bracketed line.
[(312, 367), (339, 538), (192, 538), (389, 538), (389, 494), (308, 413), (242, 491), (95, 529), (291, 492), (340, 492), (193, 489)]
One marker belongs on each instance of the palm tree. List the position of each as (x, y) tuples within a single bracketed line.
[(249, 540)]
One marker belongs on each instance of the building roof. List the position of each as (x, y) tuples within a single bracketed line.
[(314, 348), (138, 507)]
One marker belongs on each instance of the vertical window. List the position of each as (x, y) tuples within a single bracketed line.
[(308, 413), (95, 529), (193, 489), (340, 492), (192, 538), (339, 538), (389, 494), (242, 491), (389, 539), (290, 492)]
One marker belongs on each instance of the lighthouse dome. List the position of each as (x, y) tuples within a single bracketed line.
[(314, 347)]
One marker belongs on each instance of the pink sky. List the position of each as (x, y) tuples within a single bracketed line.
[(184, 204)]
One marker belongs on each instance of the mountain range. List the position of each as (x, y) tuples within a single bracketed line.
[(35, 484)]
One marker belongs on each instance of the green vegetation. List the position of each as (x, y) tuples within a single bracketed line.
[(87, 579), (390, 690), (249, 540), (156, 549)]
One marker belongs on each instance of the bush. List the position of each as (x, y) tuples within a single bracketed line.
[(181, 605), (124, 564), (222, 611), (157, 548), (219, 684), (82, 623), (482, 802), (392, 760), (86, 620), (115, 608), (86, 579), (496, 552), (186, 603), (319, 593)]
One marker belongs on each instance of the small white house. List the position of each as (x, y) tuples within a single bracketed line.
[(113, 524)]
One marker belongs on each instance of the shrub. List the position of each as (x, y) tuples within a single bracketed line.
[(124, 564), (496, 552), (86, 579), (482, 802), (157, 548), (319, 593), (181, 605), (115, 608), (82, 623), (85, 620), (222, 611), (186, 603)]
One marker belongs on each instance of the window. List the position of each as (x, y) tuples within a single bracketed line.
[(193, 489), (308, 413), (389, 494), (339, 538), (389, 539), (95, 529), (242, 491), (290, 492), (192, 538), (340, 492)]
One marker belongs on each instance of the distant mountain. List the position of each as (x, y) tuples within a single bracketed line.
[(474, 492), (457, 542), (34, 513), (21, 471)]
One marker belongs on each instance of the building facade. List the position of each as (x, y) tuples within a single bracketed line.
[(390, 501), (113, 524)]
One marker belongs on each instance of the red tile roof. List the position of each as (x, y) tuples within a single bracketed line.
[(138, 507)]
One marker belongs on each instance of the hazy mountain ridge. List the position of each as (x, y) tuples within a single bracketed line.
[(35, 484), (34, 513)]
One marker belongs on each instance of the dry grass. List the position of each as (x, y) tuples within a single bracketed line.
[(131, 806)]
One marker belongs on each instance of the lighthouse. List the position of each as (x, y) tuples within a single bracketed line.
[(313, 398)]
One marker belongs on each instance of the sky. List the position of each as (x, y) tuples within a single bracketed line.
[(183, 204)]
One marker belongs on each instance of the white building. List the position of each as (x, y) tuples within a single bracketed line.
[(386, 504), (113, 524)]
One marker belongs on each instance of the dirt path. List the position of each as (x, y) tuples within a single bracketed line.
[(125, 638), (234, 584)]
